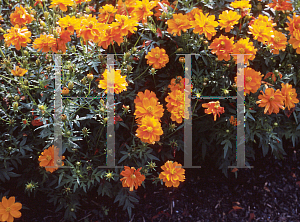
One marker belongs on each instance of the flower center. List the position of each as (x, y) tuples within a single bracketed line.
[(178, 98), (133, 176), (248, 79), (156, 56), (291, 94), (242, 51), (276, 39), (177, 21), (8, 209), (149, 109), (48, 158), (90, 25), (149, 129), (272, 98), (172, 171), (180, 112)]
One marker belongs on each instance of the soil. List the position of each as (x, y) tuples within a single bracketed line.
[(268, 192)]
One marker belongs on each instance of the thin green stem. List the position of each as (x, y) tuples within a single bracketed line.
[(141, 74), (139, 38)]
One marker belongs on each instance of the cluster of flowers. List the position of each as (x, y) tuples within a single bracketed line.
[(176, 100), (148, 112), (9, 209), (172, 175)]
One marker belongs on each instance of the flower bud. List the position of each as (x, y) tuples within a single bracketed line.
[(85, 131), (46, 14), (90, 76), (64, 117), (163, 15), (88, 10), (17, 98), (41, 107), (38, 62), (129, 68), (24, 121), (205, 42), (25, 82), (65, 91), (15, 106), (127, 55), (55, 33), (105, 120), (43, 24), (179, 50), (182, 60), (134, 50), (83, 81), (152, 71), (25, 52), (70, 85)]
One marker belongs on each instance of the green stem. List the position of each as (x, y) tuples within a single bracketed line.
[(139, 38), (141, 74)]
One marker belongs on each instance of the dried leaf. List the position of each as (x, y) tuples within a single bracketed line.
[(234, 170)]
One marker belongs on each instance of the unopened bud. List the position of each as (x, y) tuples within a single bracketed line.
[(15, 106), (90, 76), (70, 85), (46, 14), (88, 10)]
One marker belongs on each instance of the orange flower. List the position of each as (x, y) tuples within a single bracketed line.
[(147, 94), (228, 19), (47, 158), (290, 95), (204, 24), (132, 178), (119, 84), (157, 57), (70, 23), (191, 14), (44, 43), (179, 23), (278, 42), (61, 40), (143, 9), (9, 209), (126, 7), (271, 101), (261, 32), (126, 24), (294, 24), (233, 120), (222, 47), (19, 71), (178, 113), (90, 29), (148, 107), (243, 4), (112, 33), (243, 46), (174, 99), (213, 108), (19, 37), (172, 174), (62, 4), (178, 83), (80, 1), (252, 80), (295, 41), (281, 5), (150, 130), (20, 17), (107, 13)]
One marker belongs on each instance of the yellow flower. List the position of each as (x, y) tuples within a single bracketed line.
[(295, 41), (290, 95), (179, 23), (70, 23), (243, 4), (119, 84), (150, 130), (9, 209), (252, 80), (62, 4), (244, 46), (44, 43), (228, 19), (19, 71), (157, 57), (142, 10), (204, 24), (172, 174)]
